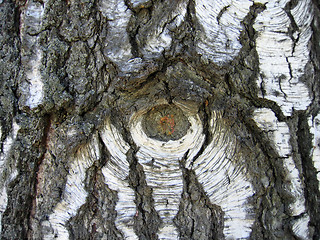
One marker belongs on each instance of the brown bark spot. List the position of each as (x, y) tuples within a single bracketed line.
[(165, 122)]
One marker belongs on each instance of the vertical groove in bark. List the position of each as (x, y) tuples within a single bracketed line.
[(44, 143), (95, 219), (197, 218), (311, 166), (21, 192), (310, 173), (9, 73), (147, 220)]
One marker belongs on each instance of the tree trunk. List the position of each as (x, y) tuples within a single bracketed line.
[(151, 119)]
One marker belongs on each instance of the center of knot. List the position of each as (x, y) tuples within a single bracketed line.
[(165, 122)]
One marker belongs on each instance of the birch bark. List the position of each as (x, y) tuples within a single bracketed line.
[(150, 119)]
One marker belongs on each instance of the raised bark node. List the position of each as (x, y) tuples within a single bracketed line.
[(165, 122)]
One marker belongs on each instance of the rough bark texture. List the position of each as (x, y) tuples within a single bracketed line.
[(151, 119)]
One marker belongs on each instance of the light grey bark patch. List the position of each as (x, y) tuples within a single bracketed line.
[(136, 72), (77, 67)]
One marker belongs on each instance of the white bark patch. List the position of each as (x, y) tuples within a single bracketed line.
[(116, 172), (301, 228), (160, 39), (74, 195), (31, 19), (296, 188), (140, 3), (12, 173), (7, 144), (225, 183), (278, 133), (283, 57), (221, 24), (3, 204), (117, 48), (314, 124), (161, 163)]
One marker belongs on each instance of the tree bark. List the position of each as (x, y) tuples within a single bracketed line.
[(150, 119)]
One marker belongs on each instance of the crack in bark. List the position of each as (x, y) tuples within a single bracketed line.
[(47, 119), (293, 25), (290, 73), (312, 193), (138, 183), (213, 228), (282, 77), (222, 11), (206, 132), (248, 57)]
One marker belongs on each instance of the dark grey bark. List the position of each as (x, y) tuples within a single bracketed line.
[(83, 86)]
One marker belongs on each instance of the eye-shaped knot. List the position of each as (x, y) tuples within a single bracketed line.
[(165, 122), (166, 130)]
